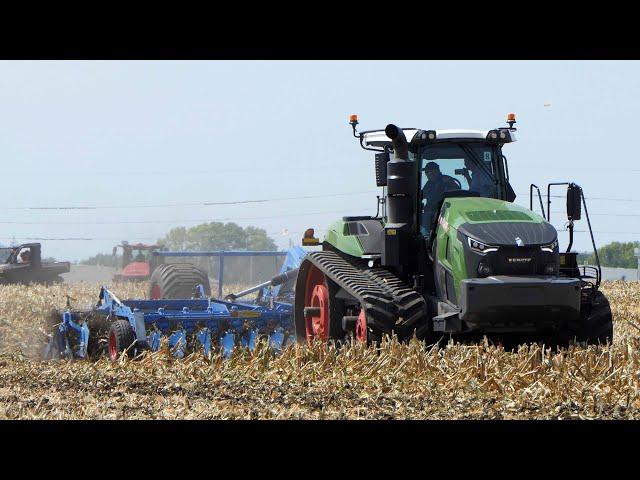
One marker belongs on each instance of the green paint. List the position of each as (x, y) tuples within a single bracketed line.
[(458, 211), (455, 212), (483, 210), (349, 244)]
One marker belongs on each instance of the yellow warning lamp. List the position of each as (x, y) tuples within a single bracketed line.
[(511, 119), (353, 121)]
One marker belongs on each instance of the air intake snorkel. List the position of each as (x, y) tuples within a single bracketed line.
[(399, 141), (400, 180), (401, 186)]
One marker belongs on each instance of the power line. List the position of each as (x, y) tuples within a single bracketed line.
[(293, 198), (586, 198), (191, 204), (206, 220), (79, 239), (563, 230), (173, 173), (602, 214), (246, 202), (597, 169)]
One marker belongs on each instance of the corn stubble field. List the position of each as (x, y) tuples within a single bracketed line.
[(399, 381)]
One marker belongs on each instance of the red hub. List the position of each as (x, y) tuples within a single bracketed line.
[(361, 327), (113, 348), (317, 295), (156, 293)]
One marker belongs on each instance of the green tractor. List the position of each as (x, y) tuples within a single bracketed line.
[(449, 254)]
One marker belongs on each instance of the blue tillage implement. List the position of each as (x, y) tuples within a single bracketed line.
[(189, 325)]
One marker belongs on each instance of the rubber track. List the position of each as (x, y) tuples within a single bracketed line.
[(389, 303)]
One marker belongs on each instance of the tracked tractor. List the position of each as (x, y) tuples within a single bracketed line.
[(449, 254)]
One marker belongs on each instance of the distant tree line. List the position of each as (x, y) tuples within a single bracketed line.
[(226, 236), (614, 254), (103, 259), (218, 236)]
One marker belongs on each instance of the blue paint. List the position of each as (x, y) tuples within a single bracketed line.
[(201, 323), (208, 322)]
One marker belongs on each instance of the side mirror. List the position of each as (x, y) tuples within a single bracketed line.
[(574, 202), (382, 159)]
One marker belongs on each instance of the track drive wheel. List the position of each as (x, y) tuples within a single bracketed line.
[(596, 327), (318, 313), (121, 337), (177, 281)]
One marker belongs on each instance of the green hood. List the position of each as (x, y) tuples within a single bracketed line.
[(497, 222), (487, 210)]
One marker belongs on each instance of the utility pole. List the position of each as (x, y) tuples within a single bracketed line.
[(636, 252)]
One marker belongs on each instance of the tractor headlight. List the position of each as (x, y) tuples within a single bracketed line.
[(551, 247), (501, 135), (484, 270), (480, 247)]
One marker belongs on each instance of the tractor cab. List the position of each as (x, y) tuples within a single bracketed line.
[(137, 261), (25, 254), (446, 163), (23, 264)]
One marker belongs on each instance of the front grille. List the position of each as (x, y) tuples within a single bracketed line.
[(516, 261)]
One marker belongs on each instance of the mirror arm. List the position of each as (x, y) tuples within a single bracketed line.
[(531, 187), (570, 236)]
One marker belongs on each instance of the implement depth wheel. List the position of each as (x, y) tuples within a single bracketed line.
[(121, 337), (318, 312)]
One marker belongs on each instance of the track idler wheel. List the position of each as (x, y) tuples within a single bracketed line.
[(321, 311), (318, 322), (361, 327)]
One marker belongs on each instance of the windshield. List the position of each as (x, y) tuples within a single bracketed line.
[(4, 254), (454, 167), (140, 255)]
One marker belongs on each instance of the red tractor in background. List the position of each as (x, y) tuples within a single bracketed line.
[(137, 261), (175, 280)]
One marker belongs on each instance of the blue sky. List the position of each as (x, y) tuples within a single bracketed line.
[(110, 134)]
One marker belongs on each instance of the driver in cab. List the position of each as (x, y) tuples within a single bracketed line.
[(477, 179), (437, 184), (433, 190), (25, 256)]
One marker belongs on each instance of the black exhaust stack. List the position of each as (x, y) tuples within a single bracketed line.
[(401, 186)]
